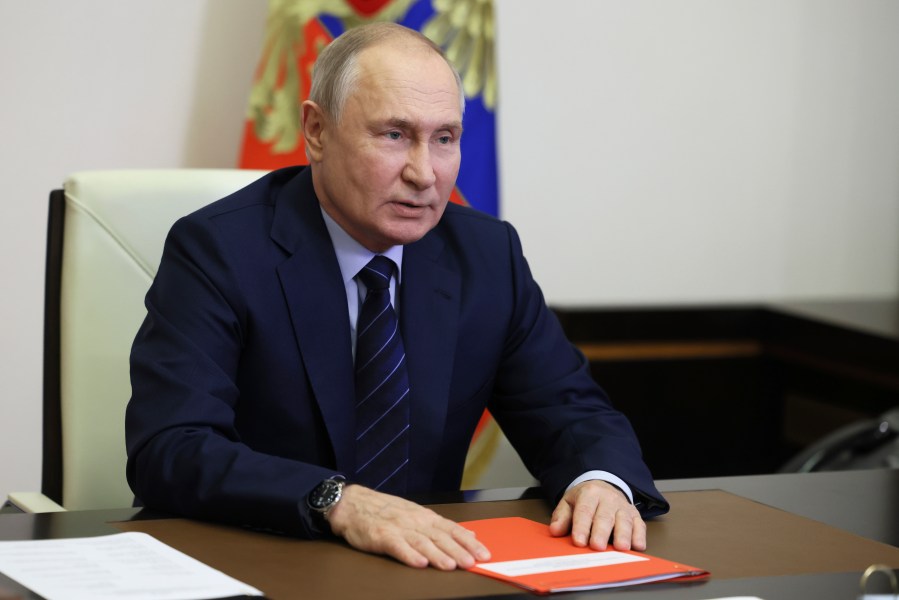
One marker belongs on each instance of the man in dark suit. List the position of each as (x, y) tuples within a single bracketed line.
[(245, 406)]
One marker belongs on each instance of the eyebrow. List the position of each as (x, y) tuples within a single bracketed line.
[(401, 123)]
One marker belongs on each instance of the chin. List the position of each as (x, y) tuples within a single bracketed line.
[(407, 235)]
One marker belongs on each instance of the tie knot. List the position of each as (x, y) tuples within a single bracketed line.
[(376, 274)]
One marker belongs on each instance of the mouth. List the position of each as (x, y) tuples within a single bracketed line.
[(409, 209), (409, 204)]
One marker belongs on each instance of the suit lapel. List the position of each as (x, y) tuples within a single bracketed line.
[(429, 313), (310, 279)]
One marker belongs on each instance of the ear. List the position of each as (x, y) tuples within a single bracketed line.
[(314, 123)]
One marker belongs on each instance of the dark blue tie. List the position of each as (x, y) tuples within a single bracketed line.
[(382, 386)]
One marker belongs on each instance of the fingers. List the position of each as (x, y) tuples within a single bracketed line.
[(561, 520), (472, 546), (410, 533), (637, 537), (590, 521), (448, 546), (429, 550), (598, 512), (443, 545), (402, 550)]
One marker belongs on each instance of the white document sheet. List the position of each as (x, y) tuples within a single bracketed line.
[(123, 566)]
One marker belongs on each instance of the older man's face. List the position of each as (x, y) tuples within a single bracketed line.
[(386, 171)]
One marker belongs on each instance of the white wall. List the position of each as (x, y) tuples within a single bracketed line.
[(651, 151), (100, 84), (704, 150)]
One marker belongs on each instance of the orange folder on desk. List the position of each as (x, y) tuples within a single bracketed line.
[(525, 554)]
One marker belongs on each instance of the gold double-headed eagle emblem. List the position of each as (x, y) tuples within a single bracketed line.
[(463, 28)]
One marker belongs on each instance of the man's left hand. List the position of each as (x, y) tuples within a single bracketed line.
[(592, 511)]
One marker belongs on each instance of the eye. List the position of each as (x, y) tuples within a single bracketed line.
[(393, 135), (444, 139)]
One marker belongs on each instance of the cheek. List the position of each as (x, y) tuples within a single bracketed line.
[(367, 180), (447, 166), (374, 174)]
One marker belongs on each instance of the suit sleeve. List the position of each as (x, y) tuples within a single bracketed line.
[(185, 455), (553, 412)]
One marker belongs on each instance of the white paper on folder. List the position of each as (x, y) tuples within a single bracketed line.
[(123, 566)]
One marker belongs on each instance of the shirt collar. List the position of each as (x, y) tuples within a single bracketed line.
[(353, 256)]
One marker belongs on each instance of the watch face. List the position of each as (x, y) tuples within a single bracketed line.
[(325, 494)]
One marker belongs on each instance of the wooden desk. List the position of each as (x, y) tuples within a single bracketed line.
[(750, 547), (865, 503)]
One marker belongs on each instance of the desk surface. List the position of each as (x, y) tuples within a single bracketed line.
[(863, 502), (767, 552)]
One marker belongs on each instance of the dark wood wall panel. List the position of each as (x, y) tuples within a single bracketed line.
[(738, 390)]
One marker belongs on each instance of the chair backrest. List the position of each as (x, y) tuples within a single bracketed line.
[(864, 444), (105, 237)]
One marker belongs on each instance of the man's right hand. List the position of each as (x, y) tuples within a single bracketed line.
[(417, 536)]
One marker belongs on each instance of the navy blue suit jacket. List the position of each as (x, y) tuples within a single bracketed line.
[(242, 374)]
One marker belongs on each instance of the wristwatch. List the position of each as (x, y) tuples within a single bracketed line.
[(325, 495)]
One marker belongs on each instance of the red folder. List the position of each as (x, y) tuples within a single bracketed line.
[(524, 553)]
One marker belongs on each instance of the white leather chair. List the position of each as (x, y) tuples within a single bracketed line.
[(105, 238)]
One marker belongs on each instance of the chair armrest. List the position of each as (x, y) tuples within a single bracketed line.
[(33, 502)]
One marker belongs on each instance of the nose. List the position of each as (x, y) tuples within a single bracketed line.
[(418, 170)]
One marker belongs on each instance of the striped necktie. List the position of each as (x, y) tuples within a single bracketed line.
[(382, 386)]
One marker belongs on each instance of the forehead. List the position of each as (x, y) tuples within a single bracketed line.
[(404, 80)]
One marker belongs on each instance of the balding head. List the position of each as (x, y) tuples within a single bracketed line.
[(336, 69)]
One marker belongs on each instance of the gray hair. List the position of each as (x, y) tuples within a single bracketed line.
[(336, 69)]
